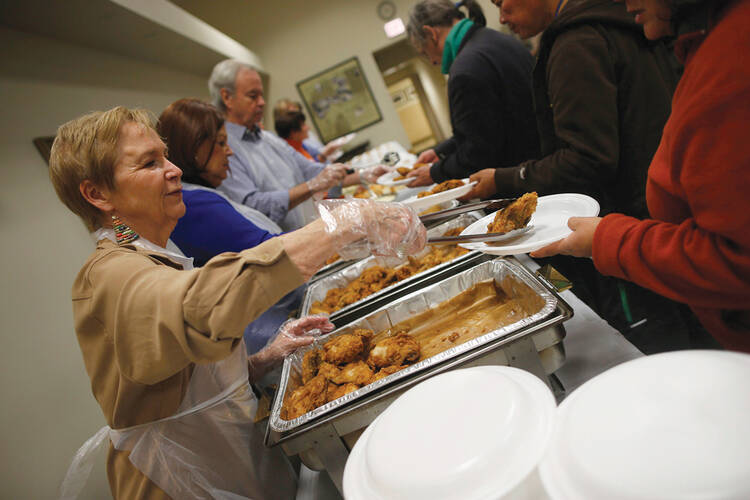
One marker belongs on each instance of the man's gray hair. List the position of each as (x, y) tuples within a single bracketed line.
[(440, 13), (224, 76)]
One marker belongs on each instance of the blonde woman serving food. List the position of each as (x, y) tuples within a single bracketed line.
[(162, 342)]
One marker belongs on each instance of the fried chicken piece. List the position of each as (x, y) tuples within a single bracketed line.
[(336, 391), (385, 371), (357, 372), (395, 350), (343, 349), (404, 272), (514, 216), (328, 370), (447, 185), (310, 364), (362, 192), (403, 170), (307, 397), (443, 186), (365, 335)]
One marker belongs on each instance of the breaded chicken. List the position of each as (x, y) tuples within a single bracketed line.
[(357, 372), (310, 363), (443, 186), (396, 350), (385, 371), (336, 391), (329, 371), (514, 216), (343, 349), (307, 397)]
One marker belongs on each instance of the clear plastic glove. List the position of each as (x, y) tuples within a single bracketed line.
[(377, 228), (331, 175), (291, 335), (370, 174), (329, 149)]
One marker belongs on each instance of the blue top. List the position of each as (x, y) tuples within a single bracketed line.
[(263, 169), (211, 226)]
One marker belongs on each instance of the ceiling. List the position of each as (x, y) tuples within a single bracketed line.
[(104, 25)]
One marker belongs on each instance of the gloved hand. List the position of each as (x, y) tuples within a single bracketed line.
[(370, 174), (331, 175), (291, 335), (375, 227)]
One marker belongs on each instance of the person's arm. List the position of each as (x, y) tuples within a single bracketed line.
[(446, 147), (705, 260), (241, 187), (211, 226), (162, 319), (584, 105), (319, 177), (477, 118)]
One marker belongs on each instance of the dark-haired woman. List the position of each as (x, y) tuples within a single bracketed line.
[(213, 224), (292, 127), (489, 91)]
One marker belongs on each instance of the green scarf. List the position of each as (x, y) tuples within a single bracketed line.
[(453, 42)]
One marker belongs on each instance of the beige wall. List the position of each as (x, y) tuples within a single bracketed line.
[(47, 407)]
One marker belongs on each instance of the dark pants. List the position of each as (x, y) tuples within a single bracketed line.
[(651, 322)]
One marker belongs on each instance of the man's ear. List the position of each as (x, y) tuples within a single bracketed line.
[(430, 33), (100, 198), (225, 97)]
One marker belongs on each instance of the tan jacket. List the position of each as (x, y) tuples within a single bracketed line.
[(142, 323)]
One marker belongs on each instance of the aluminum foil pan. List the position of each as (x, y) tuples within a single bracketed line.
[(331, 268), (522, 285), (317, 290)]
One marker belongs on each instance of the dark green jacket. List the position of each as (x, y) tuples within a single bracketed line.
[(602, 94)]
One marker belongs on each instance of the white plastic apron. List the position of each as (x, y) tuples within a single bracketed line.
[(209, 449)]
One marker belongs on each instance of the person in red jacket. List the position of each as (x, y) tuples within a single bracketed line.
[(696, 247)]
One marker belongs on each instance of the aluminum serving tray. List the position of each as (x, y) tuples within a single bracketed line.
[(521, 285), (339, 279), (331, 268)]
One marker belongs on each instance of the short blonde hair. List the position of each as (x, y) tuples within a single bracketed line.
[(86, 148)]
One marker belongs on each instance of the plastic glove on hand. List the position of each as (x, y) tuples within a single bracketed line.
[(370, 174), (296, 333), (331, 175), (373, 227)]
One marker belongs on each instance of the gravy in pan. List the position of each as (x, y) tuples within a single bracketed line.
[(479, 310)]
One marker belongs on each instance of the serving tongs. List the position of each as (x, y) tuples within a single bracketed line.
[(483, 237), (487, 206)]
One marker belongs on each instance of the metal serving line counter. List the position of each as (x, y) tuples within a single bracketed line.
[(591, 347)]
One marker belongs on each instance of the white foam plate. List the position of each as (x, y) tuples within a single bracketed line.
[(428, 201), (423, 448), (389, 179), (550, 223)]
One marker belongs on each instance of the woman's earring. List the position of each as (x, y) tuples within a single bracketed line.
[(123, 232)]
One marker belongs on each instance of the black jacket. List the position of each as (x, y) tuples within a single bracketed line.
[(602, 93), (491, 108)]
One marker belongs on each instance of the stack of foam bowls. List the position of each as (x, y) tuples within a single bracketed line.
[(668, 426), (476, 433)]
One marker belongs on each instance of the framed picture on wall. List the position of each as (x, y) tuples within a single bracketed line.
[(339, 100)]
